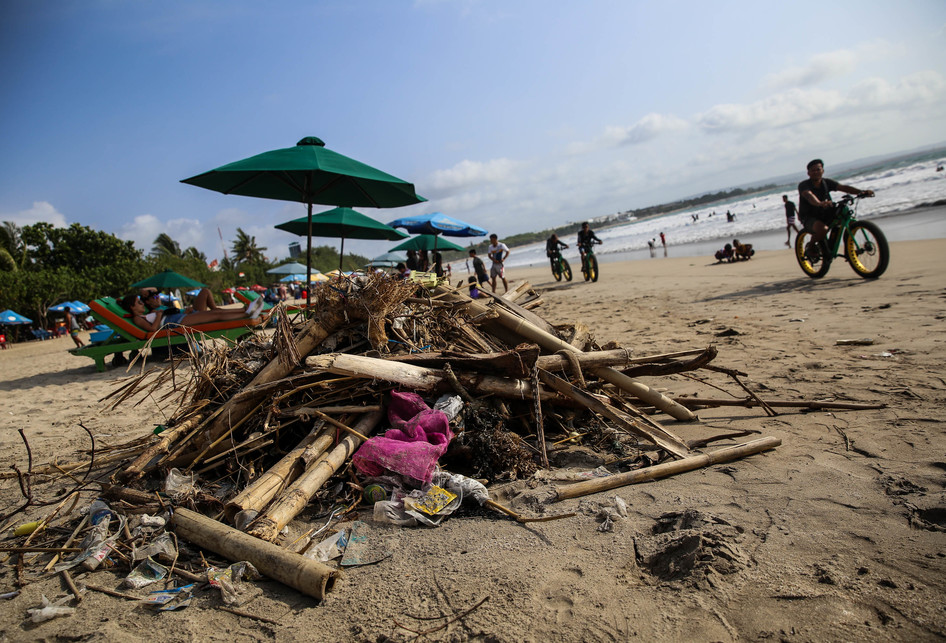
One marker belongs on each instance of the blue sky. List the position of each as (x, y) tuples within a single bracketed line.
[(515, 115)]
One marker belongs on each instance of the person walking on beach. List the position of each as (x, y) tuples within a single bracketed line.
[(652, 245), (497, 252), (663, 240), (479, 268), (817, 212), (790, 212), (73, 325)]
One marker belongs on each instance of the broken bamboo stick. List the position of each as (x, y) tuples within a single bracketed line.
[(303, 574), (727, 454), (700, 402), (279, 476), (661, 437), (297, 496), (523, 328)]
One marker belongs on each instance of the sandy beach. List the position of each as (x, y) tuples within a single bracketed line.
[(839, 534)]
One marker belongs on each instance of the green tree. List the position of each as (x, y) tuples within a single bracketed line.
[(245, 249), (75, 248), (165, 245), (12, 248)]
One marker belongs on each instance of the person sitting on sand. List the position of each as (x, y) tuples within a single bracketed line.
[(742, 251), (474, 289), (725, 254), (157, 319)]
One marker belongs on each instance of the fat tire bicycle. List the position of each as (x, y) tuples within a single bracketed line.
[(560, 267), (589, 262), (864, 245)]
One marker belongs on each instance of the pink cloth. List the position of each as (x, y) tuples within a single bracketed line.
[(420, 435)]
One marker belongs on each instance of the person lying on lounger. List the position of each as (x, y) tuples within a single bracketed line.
[(155, 320)]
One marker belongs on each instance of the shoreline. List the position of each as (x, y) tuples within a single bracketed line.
[(926, 222)]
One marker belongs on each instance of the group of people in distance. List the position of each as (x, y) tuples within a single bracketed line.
[(586, 239), (735, 252)]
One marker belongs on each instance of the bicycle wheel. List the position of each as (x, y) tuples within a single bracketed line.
[(557, 271), (566, 270), (593, 268), (866, 249), (813, 266), (584, 268)]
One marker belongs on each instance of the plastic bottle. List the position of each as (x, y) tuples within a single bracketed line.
[(99, 511)]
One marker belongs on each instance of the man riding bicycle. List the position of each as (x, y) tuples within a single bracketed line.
[(552, 247), (816, 210), (586, 239)]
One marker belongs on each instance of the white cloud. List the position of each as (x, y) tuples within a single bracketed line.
[(921, 87), (469, 174), (41, 211), (793, 106), (646, 129), (829, 65)]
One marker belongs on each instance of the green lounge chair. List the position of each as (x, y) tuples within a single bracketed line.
[(127, 337)]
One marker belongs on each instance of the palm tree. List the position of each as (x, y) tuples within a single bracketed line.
[(194, 253), (12, 248), (165, 245), (245, 249)]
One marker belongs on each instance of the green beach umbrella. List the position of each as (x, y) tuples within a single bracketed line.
[(168, 279), (309, 173), (341, 223), (427, 242)]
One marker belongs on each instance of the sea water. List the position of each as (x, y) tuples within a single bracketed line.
[(900, 187)]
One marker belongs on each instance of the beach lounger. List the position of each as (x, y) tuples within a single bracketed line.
[(125, 336)]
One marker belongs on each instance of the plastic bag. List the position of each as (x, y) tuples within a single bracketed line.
[(228, 581), (331, 547), (162, 546), (48, 610), (144, 574), (167, 600), (449, 404), (180, 486)]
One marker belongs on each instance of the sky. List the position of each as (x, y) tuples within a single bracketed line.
[(515, 115)]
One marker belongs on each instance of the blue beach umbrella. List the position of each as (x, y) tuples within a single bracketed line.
[(60, 308), (438, 223), (78, 307), (11, 318)]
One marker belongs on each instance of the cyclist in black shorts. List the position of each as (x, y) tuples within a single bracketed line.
[(816, 210)]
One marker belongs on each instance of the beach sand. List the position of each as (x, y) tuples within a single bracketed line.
[(838, 534)]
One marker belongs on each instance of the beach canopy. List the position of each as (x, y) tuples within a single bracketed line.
[(427, 242), (61, 308), (168, 279), (388, 259), (438, 223), (293, 268), (309, 173), (316, 276), (341, 223), (79, 307), (11, 318)]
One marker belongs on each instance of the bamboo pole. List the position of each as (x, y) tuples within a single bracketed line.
[(727, 454), (748, 403), (137, 468), (279, 476), (420, 378), (313, 333), (303, 574), (294, 499), (551, 343)]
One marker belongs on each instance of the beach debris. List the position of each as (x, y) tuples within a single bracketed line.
[(168, 600), (865, 341), (48, 610), (410, 401)]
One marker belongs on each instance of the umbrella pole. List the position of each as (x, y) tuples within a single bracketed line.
[(308, 260), (341, 255)]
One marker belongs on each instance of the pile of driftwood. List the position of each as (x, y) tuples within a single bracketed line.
[(268, 426)]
